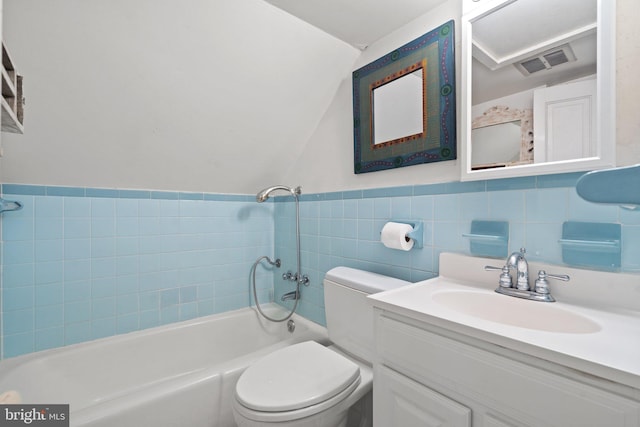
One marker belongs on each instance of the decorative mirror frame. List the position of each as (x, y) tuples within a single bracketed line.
[(501, 114), (434, 52), (606, 105)]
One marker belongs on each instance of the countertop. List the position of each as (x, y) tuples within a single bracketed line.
[(610, 351)]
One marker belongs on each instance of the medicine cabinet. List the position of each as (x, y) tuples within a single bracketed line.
[(555, 59)]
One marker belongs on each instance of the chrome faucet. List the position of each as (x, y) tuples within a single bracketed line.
[(522, 289), (293, 295), (518, 262)]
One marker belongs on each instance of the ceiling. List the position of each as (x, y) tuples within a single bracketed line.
[(526, 28), (357, 22), (510, 34)]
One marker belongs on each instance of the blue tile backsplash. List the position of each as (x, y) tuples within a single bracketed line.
[(80, 264)]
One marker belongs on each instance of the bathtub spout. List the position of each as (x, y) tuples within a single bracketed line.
[(293, 295)]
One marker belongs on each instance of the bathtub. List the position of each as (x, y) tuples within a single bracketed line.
[(183, 374)]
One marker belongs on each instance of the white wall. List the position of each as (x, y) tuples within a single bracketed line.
[(197, 95), (213, 95), (326, 164), (628, 91)]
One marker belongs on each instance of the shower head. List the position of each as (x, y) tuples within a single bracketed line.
[(264, 194)]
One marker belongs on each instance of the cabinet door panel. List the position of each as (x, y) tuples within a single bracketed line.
[(400, 401)]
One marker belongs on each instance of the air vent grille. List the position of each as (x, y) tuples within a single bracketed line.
[(556, 58), (533, 65), (546, 60)]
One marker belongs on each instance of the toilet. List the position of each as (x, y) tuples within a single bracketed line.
[(308, 384)]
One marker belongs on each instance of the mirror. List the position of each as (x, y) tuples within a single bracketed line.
[(502, 137), (552, 59), (404, 105), (397, 108)]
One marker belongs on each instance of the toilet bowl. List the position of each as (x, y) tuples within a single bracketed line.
[(308, 384)]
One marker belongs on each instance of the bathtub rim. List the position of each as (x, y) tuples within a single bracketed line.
[(13, 362)]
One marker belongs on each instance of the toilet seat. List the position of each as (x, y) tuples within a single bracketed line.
[(295, 382)]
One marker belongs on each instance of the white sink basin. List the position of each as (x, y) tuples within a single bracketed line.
[(508, 310)]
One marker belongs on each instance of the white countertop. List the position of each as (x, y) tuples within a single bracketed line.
[(610, 351)]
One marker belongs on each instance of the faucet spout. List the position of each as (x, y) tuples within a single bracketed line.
[(293, 295), (518, 262)]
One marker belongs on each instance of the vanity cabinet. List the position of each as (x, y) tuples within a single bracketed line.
[(428, 375)]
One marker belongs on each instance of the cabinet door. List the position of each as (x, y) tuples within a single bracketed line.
[(400, 401)]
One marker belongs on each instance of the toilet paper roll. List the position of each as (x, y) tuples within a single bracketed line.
[(394, 236)]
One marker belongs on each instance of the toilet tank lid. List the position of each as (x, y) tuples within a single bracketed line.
[(363, 281)]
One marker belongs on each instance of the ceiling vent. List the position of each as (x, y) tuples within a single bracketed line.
[(546, 60)]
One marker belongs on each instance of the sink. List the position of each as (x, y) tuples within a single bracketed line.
[(512, 311)]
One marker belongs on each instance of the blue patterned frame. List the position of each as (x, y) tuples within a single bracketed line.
[(438, 141)]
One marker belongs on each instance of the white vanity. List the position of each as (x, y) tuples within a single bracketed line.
[(452, 352)]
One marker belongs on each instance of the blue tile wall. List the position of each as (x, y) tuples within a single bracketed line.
[(79, 264), (343, 228)]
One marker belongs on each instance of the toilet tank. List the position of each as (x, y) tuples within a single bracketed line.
[(349, 314)]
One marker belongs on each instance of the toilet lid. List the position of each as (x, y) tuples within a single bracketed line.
[(295, 377)]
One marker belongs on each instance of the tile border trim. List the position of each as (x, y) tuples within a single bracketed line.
[(455, 187)]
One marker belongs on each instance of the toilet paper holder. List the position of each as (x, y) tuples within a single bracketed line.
[(417, 234)]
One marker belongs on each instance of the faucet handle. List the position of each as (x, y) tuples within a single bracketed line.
[(505, 277), (542, 284), (563, 277)]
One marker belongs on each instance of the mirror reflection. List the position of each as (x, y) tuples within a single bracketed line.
[(397, 108), (502, 137), (496, 145), (539, 56)]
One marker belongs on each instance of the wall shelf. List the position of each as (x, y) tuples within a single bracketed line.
[(592, 244), (12, 96), (488, 238)]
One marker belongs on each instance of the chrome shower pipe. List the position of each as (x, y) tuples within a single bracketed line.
[(262, 196)]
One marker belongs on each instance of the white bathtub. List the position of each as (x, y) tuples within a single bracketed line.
[(183, 374)]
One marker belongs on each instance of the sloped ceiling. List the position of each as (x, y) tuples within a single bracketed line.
[(357, 22), (212, 96)]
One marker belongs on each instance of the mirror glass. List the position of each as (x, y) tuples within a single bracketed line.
[(552, 58), (397, 108), (496, 144)]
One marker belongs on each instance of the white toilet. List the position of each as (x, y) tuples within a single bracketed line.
[(308, 384)]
